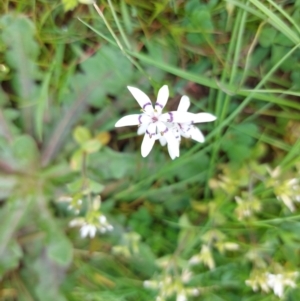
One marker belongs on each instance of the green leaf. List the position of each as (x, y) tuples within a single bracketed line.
[(60, 249), (69, 4), (278, 52), (95, 187), (120, 165), (10, 258), (17, 34), (91, 146), (77, 160), (42, 104), (107, 72), (267, 36), (10, 215), (25, 151), (81, 134), (76, 186), (237, 141), (49, 276)]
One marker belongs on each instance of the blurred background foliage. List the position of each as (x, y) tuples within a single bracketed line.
[(219, 223)]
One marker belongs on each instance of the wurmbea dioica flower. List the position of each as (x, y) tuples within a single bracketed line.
[(187, 129), (167, 127)]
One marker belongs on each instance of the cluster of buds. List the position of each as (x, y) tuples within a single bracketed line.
[(168, 285), (272, 282), (286, 190), (92, 222)]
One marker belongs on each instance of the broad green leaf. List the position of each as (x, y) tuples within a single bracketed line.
[(267, 36), (59, 249), (49, 276), (120, 165), (42, 105), (25, 151), (18, 34), (10, 215), (10, 258), (95, 187), (107, 72)]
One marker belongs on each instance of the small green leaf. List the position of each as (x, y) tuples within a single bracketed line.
[(81, 134), (76, 160), (76, 186), (91, 146), (95, 187), (69, 4)]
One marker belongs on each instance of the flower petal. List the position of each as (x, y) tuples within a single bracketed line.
[(178, 117), (93, 231), (197, 135), (142, 128), (128, 120), (184, 104), (162, 98), (204, 117), (84, 230), (162, 140), (173, 145), (147, 144), (161, 127), (143, 100)]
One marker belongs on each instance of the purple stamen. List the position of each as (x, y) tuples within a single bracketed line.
[(171, 117), (146, 104)]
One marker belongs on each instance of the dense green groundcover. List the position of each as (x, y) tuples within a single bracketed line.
[(221, 222)]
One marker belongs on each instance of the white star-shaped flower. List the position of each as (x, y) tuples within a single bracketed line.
[(187, 129), (153, 123), (89, 228)]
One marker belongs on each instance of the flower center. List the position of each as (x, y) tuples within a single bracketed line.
[(154, 119)]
